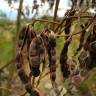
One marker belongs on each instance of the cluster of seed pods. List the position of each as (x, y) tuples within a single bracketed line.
[(37, 45)]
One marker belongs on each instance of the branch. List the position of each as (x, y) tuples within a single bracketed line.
[(90, 22), (6, 65), (55, 13), (48, 21), (59, 24), (24, 94), (73, 17)]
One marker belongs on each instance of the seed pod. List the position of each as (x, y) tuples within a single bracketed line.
[(91, 48), (52, 55), (74, 2), (22, 37), (53, 76), (19, 62), (24, 78), (86, 45), (63, 55), (91, 38), (63, 61), (82, 59), (35, 51), (52, 40), (93, 3), (30, 90), (31, 35), (81, 39)]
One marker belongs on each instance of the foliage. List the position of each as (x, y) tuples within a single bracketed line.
[(7, 33)]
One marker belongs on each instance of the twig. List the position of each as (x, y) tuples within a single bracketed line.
[(91, 21), (76, 17), (60, 92), (33, 81), (24, 94), (66, 16), (47, 73), (55, 12), (59, 24), (43, 68), (6, 65), (48, 21)]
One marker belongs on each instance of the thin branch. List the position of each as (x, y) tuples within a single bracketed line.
[(55, 12), (48, 21), (24, 94), (59, 24), (74, 17), (66, 16), (6, 65), (60, 92), (91, 21)]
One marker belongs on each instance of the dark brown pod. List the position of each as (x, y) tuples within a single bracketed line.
[(35, 51)]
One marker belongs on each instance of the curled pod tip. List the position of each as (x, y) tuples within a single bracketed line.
[(34, 72)]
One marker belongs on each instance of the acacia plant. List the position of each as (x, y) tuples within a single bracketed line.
[(36, 45)]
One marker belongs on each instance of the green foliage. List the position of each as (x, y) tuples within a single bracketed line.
[(60, 42), (6, 40), (39, 25)]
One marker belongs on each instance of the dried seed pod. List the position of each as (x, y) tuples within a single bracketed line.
[(82, 59), (94, 30), (81, 39), (50, 47), (91, 48), (91, 38), (53, 76), (63, 55), (24, 78), (86, 45), (19, 56), (63, 61), (22, 37), (93, 3), (53, 64), (19, 62), (35, 51), (32, 92), (31, 35), (74, 3)]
